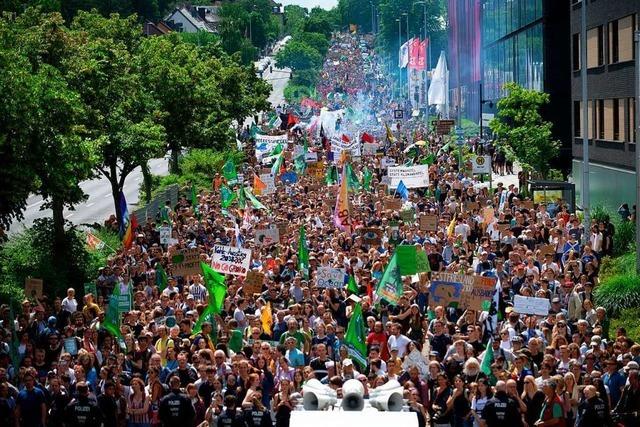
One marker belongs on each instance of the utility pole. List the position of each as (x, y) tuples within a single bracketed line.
[(399, 52), (585, 127), (637, 111)]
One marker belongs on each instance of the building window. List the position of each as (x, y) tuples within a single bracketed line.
[(631, 119), (608, 122), (577, 119), (595, 47), (621, 39), (599, 118), (618, 120), (575, 45)]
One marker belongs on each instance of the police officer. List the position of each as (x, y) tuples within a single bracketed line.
[(83, 411), (257, 415), (230, 417), (176, 408), (502, 410), (592, 412)]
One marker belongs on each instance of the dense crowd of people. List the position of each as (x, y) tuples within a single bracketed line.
[(457, 367)]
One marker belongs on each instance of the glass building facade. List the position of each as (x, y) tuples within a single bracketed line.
[(513, 45)]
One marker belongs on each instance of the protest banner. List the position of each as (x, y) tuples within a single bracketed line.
[(408, 215), (446, 289), (393, 204), (371, 236), (531, 305), (338, 146), (411, 176), (266, 143), (165, 235), (253, 283), (479, 296), (231, 260), (429, 222), (387, 162), (186, 262), (327, 277), (370, 149), (33, 288), (270, 181), (90, 288), (316, 170), (267, 236), (481, 165)]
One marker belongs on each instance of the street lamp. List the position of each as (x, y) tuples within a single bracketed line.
[(406, 15), (424, 36), (637, 111), (399, 51), (585, 128)]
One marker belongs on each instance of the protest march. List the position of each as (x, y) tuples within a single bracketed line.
[(348, 245)]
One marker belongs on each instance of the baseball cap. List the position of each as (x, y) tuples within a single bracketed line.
[(347, 362)]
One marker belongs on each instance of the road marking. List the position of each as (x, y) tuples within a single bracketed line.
[(106, 195), (90, 204), (69, 216), (35, 204)]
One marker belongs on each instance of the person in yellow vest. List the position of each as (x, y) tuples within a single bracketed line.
[(163, 343)]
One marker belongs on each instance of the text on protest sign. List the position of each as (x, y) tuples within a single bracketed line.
[(531, 305), (165, 235), (266, 143), (429, 222), (327, 277), (33, 287), (411, 176), (186, 262), (253, 283), (270, 182), (479, 296), (230, 260), (267, 236), (338, 146), (446, 289)]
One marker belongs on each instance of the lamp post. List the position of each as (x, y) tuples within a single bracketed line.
[(637, 111), (399, 51), (426, 62), (406, 15), (585, 127)]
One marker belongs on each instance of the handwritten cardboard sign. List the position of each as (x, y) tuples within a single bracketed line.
[(480, 295), (327, 277), (231, 260), (393, 204), (253, 283), (371, 236), (186, 262), (548, 249), (408, 215), (267, 236), (33, 288), (429, 222), (445, 293)]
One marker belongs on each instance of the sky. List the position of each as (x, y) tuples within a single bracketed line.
[(326, 4)]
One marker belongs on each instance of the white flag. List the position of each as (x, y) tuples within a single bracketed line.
[(404, 55), (438, 88)]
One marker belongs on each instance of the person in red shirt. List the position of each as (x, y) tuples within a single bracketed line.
[(379, 337)]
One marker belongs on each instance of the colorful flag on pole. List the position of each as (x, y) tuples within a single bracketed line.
[(162, 281), (217, 290), (390, 137), (355, 338), (255, 202), (487, 359), (352, 179), (266, 318), (303, 253), (93, 242), (227, 196), (128, 225), (402, 190), (368, 138), (390, 287), (342, 212), (242, 201), (331, 175), (258, 185), (367, 177), (229, 171), (277, 165), (111, 322), (352, 286), (452, 227)]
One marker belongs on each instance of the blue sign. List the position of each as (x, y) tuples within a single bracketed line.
[(289, 177)]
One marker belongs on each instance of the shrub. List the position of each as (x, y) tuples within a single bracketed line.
[(624, 238), (618, 292), (623, 264), (628, 319), (294, 93)]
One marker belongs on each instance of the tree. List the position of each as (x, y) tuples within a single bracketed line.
[(294, 18), (521, 131), (322, 21), (121, 114), (298, 56), (356, 12), (317, 41)]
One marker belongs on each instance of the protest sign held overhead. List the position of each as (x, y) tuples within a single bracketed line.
[(411, 176), (327, 277), (186, 262), (231, 260)]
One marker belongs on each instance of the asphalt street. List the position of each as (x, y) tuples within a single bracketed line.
[(99, 205)]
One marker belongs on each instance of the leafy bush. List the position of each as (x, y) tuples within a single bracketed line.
[(616, 293), (600, 213), (613, 266), (294, 93), (624, 238), (628, 319), (32, 253)]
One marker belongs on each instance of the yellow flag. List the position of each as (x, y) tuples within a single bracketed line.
[(451, 228), (342, 214), (390, 136), (266, 317)]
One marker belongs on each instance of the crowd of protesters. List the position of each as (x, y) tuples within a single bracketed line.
[(567, 368)]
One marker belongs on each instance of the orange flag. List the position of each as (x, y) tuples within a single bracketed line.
[(258, 185)]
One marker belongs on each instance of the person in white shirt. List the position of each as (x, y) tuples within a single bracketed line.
[(397, 340), (69, 303)]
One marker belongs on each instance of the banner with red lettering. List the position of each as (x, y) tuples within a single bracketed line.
[(414, 52), (422, 55), (231, 260)]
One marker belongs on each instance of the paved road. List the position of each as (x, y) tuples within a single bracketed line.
[(99, 205)]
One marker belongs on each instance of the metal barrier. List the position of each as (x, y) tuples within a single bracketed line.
[(152, 209)]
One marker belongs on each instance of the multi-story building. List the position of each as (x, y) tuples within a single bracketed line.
[(610, 99)]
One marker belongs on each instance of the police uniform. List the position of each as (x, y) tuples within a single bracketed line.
[(231, 418), (176, 409), (255, 417), (502, 411), (83, 412), (593, 413)]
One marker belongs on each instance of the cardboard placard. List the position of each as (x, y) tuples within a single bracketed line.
[(429, 222), (231, 260), (316, 170), (283, 230), (479, 298), (267, 236), (408, 215), (531, 305), (393, 204), (186, 262), (253, 283), (327, 277), (371, 236), (165, 235), (548, 249), (444, 291), (33, 287)]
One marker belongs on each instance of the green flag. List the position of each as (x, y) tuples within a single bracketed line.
[(15, 343), (229, 172), (352, 179), (227, 196), (422, 262), (242, 201), (112, 316), (255, 131), (255, 202), (390, 287), (161, 277), (331, 175), (352, 286), (303, 253), (300, 164), (276, 150), (217, 290), (275, 169), (194, 202), (487, 360), (406, 257), (367, 177), (429, 160), (356, 337)]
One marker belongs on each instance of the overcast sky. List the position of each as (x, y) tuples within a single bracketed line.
[(326, 4)]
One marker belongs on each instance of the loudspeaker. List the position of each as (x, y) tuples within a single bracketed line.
[(352, 396), (317, 396), (387, 397)]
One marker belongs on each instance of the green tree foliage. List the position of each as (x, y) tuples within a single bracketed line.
[(322, 21), (294, 17), (317, 41), (521, 131), (298, 56), (356, 12)]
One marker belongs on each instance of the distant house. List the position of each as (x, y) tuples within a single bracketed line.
[(191, 19), (159, 29)]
